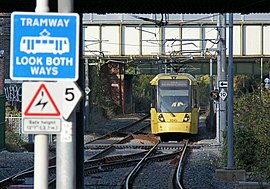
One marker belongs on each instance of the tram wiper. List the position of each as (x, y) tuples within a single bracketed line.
[(167, 109)]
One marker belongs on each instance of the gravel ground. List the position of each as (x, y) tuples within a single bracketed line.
[(156, 175), (106, 180), (202, 163), (199, 170), (14, 162)]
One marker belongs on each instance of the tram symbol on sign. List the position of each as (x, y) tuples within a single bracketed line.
[(44, 44)]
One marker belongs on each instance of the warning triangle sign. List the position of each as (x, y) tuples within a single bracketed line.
[(42, 104)]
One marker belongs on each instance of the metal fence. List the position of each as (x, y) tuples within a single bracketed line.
[(14, 124)]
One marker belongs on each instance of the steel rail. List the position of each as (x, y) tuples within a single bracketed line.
[(18, 177), (111, 147), (179, 171), (107, 166), (138, 166), (119, 130)]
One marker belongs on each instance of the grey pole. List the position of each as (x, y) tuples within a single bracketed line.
[(218, 78), (42, 6), (230, 163), (41, 170), (211, 100), (65, 6), (87, 96), (80, 121), (86, 88), (221, 69), (41, 162), (66, 149), (66, 155), (261, 76)]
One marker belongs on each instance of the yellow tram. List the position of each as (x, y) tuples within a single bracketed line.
[(175, 105)]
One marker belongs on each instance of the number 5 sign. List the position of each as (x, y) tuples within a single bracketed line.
[(71, 97)]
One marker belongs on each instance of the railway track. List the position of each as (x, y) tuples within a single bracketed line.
[(178, 176), (24, 179), (110, 167), (122, 134), (119, 160), (123, 171), (149, 165)]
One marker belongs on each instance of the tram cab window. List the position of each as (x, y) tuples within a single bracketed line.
[(173, 103), (173, 98)]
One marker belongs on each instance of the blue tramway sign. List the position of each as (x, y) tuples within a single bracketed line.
[(44, 46)]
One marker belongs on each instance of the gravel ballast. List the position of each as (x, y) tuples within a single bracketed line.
[(199, 171)]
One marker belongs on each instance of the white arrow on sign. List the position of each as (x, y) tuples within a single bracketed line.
[(72, 95)]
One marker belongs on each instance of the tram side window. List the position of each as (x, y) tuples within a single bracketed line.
[(194, 98), (154, 97)]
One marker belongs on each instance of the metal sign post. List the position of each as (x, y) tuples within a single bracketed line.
[(230, 162), (41, 163), (66, 141), (211, 113)]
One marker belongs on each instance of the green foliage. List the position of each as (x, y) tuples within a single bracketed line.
[(100, 97), (13, 141), (12, 110), (142, 92), (252, 133), (204, 90), (245, 84), (244, 157)]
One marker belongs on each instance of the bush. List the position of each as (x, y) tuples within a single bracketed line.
[(204, 90), (142, 92), (13, 141), (251, 137)]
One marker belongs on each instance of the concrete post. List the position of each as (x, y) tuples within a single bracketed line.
[(221, 75)]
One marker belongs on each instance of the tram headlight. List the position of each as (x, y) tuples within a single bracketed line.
[(186, 118), (161, 118)]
